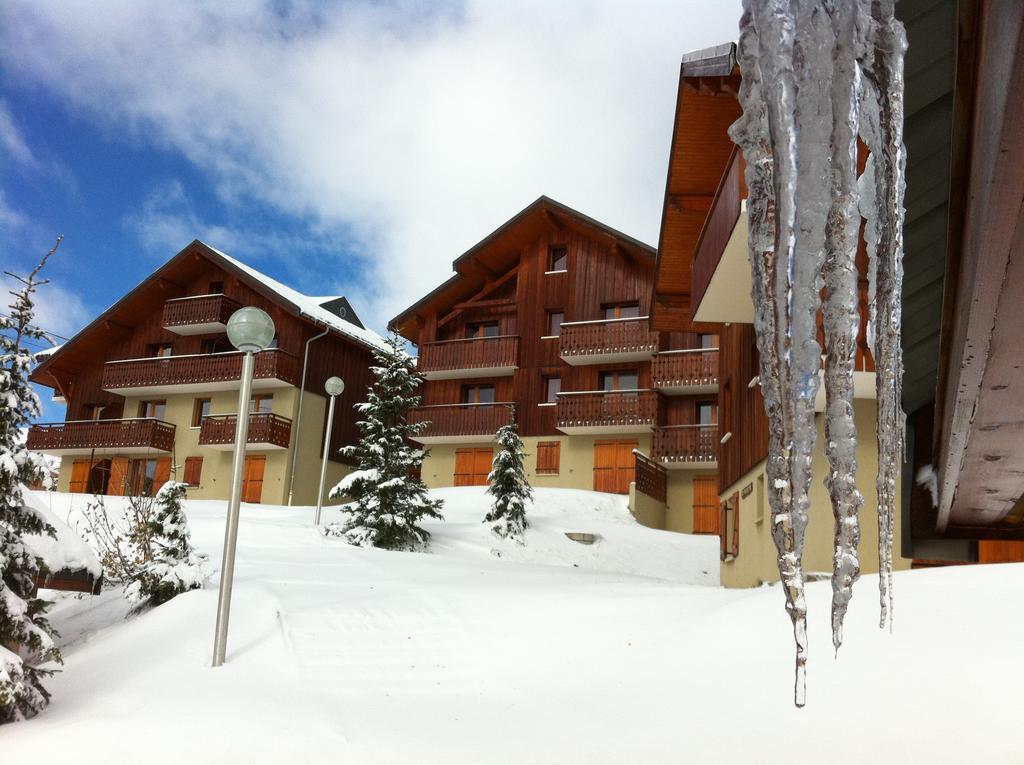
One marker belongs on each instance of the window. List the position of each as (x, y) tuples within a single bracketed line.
[(621, 310), (548, 457), (552, 387), (216, 288), (94, 411), (555, 319), (153, 409), (142, 478), (200, 409), (477, 394), (707, 413), (627, 380), (262, 403), (707, 341), (159, 349), (558, 258), (193, 470), (216, 345), (482, 329)]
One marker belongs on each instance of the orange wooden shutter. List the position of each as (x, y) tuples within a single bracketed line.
[(723, 527), (162, 474), (79, 476), (118, 477), (604, 465), (252, 482), (482, 463), (193, 470), (548, 456), (735, 502), (463, 467)]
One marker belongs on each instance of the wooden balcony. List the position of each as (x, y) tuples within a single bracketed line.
[(107, 437), (607, 412), (608, 341), (687, 372), (266, 432), (469, 357), (198, 315), (720, 290), (198, 373), (686, 446), (461, 423)]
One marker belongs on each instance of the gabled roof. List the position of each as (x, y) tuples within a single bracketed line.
[(499, 251), (139, 303)]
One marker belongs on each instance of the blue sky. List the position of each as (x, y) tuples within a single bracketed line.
[(349, 148)]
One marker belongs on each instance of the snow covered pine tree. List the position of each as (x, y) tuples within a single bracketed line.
[(508, 486), (26, 639), (389, 499), (175, 567)]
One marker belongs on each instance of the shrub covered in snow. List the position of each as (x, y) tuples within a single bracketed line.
[(389, 500), (26, 639), (120, 536), (508, 486), (174, 567)]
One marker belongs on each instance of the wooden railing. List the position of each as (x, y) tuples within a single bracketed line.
[(718, 227), (469, 353), (264, 428), (679, 369), (197, 369), (607, 408), (201, 309), (462, 419), (102, 434), (651, 478), (685, 443), (609, 336)]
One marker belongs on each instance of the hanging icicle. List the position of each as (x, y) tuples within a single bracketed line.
[(810, 69)]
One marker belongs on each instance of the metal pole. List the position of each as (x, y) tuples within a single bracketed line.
[(298, 417), (323, 463), (227, 566)]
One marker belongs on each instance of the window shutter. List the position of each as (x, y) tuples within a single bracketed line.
[(163, 473), (735, 502), (723, 529), (548, 454), (193, 470)]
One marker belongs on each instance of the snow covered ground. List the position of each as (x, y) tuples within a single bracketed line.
[(621, 652)]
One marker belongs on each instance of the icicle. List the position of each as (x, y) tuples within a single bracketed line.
[(842, 317), (882, 131)]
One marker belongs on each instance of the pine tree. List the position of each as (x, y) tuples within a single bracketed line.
[(389, 500), (175, 567), (26, 638), (508, 486)]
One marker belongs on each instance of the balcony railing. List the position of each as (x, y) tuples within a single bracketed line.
[(623, 411), (685, 444), (218, 370), (266, 429), (198, 314), (607, 341), (461, 422), (685, 370), (651, 478), (718, 227), (102, 435), (469, 357)]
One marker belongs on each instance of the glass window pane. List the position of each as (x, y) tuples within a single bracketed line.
[(555, 319), (629, 380), (554, 385), (486, 394)]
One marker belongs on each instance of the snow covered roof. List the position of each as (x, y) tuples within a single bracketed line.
[(308, 306), (68, 551), (45, 354)]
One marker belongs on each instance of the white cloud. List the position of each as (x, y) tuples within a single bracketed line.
[(11, 139), (415, 131), (58, 310)]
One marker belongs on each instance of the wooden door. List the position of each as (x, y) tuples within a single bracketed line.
[(79, 476), (614, 466), (472, 466), (705, 504), (252, 478)]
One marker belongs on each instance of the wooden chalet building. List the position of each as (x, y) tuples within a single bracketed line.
[(703, 275), (546, 322), (151, 386)]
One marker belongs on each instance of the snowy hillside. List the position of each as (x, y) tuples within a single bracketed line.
[(552, 653)]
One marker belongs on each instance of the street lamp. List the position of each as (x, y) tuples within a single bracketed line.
[(250, 330), (334, 386)]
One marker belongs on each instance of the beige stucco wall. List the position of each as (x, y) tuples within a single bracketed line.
[(576, 460), (647, 511), (215, 481), (756, 562)]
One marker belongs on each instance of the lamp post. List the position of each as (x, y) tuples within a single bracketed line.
[(334, 386), (250, 330)]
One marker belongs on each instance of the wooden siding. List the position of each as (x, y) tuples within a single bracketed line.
[(740, 406), (718, 227)]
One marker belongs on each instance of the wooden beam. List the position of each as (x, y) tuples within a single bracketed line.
[(488, 288), (551, 219)]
